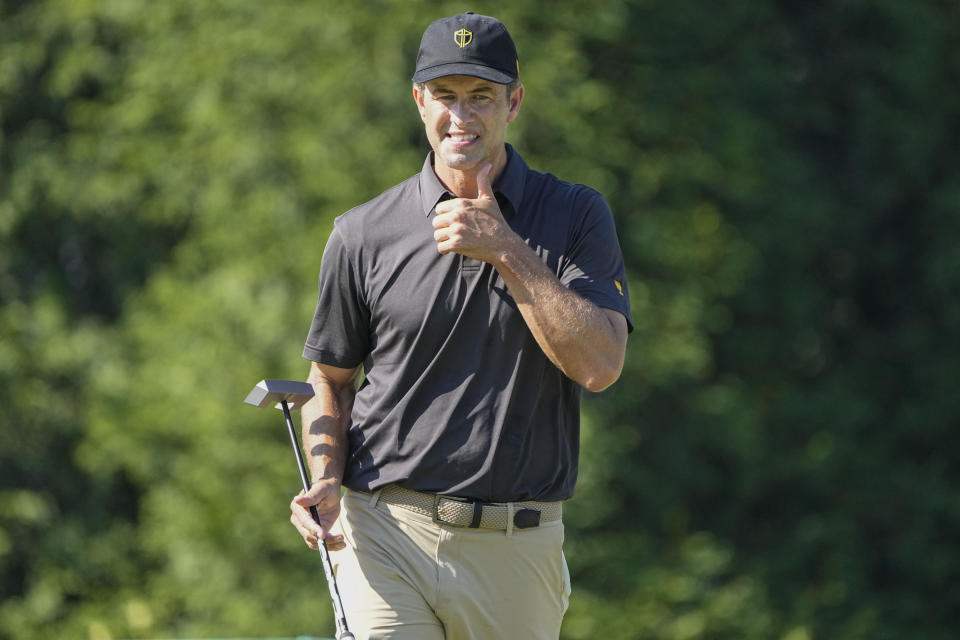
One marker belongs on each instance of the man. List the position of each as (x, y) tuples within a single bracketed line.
[(478, 296)]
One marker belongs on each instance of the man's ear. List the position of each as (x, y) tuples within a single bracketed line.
[(418, 97), (516, 98)]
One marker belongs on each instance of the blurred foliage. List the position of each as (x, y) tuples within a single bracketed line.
[(778, 460)]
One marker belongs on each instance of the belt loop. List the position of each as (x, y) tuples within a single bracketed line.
[(509, 519), (477, 515), (375, 498)]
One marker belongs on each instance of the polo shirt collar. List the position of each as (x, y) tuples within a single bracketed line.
[(509, 185)]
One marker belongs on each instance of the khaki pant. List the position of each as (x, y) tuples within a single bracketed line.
[(403, 577)]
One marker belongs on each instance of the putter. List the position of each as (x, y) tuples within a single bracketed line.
[(290, 395)]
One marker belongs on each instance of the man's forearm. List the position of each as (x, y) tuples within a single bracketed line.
[(587, 343), (326, 418), (584, 341)]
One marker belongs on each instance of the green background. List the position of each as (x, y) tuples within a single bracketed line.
[(779, 459)]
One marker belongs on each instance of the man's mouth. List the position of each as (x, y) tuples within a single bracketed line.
[(462, 139)]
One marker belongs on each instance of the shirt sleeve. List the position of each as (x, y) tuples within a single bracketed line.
[(339, 333), (593, 266)]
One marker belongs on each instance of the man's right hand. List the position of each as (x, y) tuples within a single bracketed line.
[(325, 496)]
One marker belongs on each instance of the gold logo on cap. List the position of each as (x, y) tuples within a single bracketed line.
[(463, 38)]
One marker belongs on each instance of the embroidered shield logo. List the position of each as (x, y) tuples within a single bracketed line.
[(463, 38)]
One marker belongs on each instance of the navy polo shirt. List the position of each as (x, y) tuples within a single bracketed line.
[(457, 396)]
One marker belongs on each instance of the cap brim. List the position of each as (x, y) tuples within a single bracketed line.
[(463, 69)]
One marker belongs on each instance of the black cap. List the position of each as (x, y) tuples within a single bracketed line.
[(470, 45)]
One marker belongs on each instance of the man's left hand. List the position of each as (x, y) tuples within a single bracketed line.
[(474, 227)]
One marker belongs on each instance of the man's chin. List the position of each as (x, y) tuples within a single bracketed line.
[(460, 162)]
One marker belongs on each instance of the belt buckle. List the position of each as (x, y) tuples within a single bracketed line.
[(435, 514)]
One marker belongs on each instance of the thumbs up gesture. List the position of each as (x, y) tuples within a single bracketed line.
[(474, 227)]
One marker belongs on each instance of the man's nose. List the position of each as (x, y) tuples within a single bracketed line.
[(461, 112)]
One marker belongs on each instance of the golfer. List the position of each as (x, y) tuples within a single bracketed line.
[(477, 298)]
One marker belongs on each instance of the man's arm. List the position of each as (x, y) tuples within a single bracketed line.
[(326, 418), (584, 341)]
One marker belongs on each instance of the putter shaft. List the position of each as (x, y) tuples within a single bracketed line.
[(343, 633)]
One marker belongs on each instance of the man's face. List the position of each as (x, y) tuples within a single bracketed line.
[(466, 119)]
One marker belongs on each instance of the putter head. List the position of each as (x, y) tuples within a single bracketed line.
[(271, 392)]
